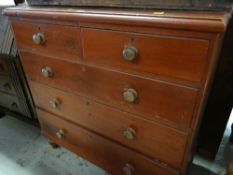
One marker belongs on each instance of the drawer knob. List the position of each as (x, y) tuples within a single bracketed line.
[(130, 53), (130, 95), (60, 134), (7, 87), (47, 72), (128, 169), (54, 104), (130, 134), (38, 38)]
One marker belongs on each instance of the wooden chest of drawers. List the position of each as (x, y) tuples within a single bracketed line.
[(15, 98), (124, 89)]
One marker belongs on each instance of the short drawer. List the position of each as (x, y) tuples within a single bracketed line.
[(154, 140), (55, 40), (154, 100), (112, 157), (6, 85), (162, 56)]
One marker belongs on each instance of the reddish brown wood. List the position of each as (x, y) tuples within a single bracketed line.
[(156, 100), (61, 41), (154, 140), (172, 82), (160, 55), (100, 151), (197, 21)]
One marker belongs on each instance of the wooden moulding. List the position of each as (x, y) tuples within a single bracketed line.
[(195, 21)]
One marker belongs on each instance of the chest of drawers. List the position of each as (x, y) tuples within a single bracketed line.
[(123, 89), (14, 99)]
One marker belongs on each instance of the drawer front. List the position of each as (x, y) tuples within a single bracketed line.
[(165, 56), (6, 85), (55, 40), (151, 99), (109, 155), (3, 67), (12, 103), (154, 140)]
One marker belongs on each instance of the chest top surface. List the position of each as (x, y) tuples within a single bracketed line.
[(184, 20)]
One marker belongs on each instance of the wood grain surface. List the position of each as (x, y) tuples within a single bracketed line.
[(61, 41), (98, 150), (159, 55), (154, 140), (172, 75), (156, 100)]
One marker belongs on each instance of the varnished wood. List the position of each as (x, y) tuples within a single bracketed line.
[(101, 151), (63, 42), (196, 21), (156, 141), (160, 55), (156, 100), (170, 85)]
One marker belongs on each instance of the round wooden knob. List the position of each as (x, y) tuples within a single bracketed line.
[(128, 169), (54, 104), (7, 87), (60, 134), (130, 134), (130, 95), (130, 53), (47, 72), (38, 38)]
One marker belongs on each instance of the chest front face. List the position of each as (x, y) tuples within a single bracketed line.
[(126, 88)]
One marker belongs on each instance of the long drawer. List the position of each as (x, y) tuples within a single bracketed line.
[(154, 100), (158, 142), (165, 56), (49, 39), (109, 155)]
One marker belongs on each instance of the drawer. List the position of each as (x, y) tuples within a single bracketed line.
[(162, 56), (109, 155), (6, 85), (158, 142), (13, 103), (150, 99), (55, 40)]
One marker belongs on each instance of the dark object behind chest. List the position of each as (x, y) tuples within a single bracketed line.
[(156, 4)]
